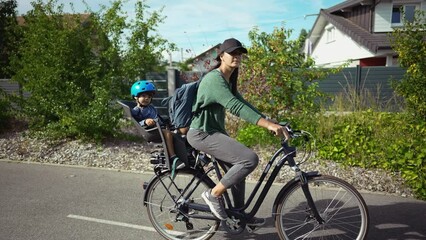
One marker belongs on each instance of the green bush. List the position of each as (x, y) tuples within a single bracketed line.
[(68, 85), (7, 112), (409, 43), (74, 66), (391, 141), (4, 113), (252, 135)]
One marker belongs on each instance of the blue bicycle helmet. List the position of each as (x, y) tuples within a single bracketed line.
[(141, 86)]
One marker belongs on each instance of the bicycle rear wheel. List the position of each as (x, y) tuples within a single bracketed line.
[(173, 222), (339, 204)]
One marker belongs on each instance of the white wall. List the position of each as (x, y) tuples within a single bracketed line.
[(329, 54), (337, 52), (382, 16), (383, 13)]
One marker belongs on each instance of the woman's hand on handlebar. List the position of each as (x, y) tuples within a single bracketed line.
[(279, 130)]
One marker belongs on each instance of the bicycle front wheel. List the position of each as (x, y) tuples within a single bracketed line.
[(173, 222), (339, 204)]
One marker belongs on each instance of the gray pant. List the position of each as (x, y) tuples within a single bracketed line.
[(239, 160)]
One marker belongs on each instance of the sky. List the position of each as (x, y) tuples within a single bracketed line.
[(197, 25)]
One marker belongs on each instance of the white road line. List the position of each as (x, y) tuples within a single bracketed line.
[(112, 222), (121, 224)]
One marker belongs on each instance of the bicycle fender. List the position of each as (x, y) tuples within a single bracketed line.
[(147, 187), (290, 183)]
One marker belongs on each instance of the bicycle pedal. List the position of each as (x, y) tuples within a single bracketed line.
[(251, 229), (232, 225), (189, 226)]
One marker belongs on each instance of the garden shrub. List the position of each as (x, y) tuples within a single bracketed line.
[(391, 141), (409, 43), (4, 113), (76, 65), (252, 135)]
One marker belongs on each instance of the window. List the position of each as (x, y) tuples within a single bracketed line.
[(408, 10), (396, 14), (331, 34)]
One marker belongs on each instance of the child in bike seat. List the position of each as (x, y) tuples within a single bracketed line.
[(146, 114)]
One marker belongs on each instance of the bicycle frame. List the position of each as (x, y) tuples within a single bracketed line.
[(289, 154)]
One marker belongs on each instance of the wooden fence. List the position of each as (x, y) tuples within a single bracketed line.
[(353, 82), (373, 85), (10, 87)]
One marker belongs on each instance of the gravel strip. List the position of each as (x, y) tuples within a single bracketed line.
[(133, 156)]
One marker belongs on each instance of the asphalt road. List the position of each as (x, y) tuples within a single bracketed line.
[(57, 202)]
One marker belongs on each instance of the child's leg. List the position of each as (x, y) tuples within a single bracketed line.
[(183, 131), (177, 163), (169, 141)]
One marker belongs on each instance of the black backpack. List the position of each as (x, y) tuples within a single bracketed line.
[(180, 104)]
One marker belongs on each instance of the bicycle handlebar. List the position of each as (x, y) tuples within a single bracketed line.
[(289, 130), (302, 140)]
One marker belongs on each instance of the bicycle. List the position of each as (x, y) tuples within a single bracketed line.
[(310, 206)]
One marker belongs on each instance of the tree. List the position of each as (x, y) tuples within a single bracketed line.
[(76, 65), (302, 38), (410, 44), (186, 65), (9, 34), (145, 48), (276, 77), (9, 40)]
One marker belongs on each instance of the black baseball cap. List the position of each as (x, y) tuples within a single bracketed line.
[(230, 45)]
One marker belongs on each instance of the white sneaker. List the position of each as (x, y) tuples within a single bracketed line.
[(215, 204)]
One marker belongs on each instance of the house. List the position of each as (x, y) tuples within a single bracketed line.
[(206, 60), (201, 64), (358, 31)]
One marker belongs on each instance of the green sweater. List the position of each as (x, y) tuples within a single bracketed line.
[(214, 96)]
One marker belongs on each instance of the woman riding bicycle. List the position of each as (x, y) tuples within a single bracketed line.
[(218, 92)]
